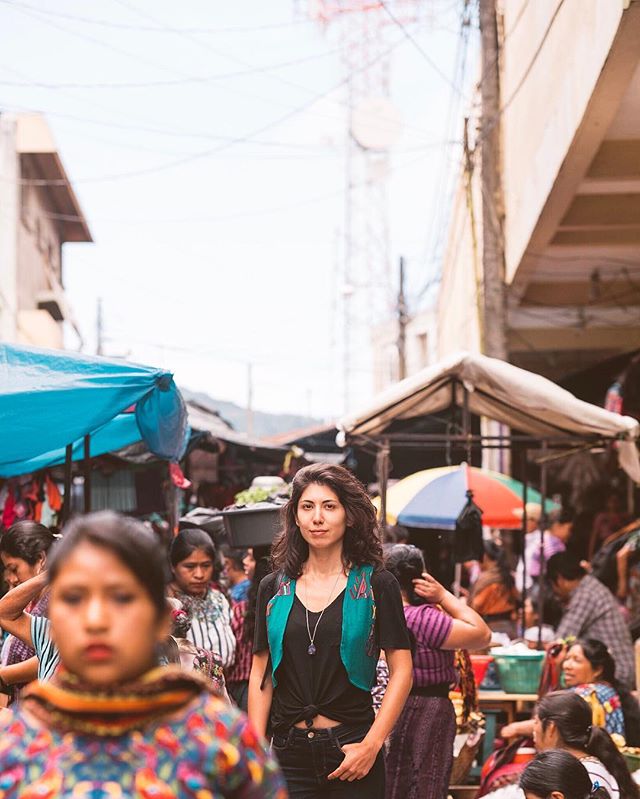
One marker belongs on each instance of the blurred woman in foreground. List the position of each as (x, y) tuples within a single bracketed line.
[(110, 724)]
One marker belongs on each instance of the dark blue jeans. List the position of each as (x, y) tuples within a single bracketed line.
[(307, 757)]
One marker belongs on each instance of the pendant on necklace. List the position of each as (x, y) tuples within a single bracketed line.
[(312, 649)]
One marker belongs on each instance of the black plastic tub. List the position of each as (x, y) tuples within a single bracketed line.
[(252, 527)]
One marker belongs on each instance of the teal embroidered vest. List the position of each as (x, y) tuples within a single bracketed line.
[(358, 650)]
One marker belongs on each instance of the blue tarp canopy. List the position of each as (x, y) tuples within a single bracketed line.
[(50, 398)]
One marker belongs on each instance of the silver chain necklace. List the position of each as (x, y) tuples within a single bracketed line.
[(311, 650)]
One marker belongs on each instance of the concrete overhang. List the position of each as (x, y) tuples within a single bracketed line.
[(574, 297), (591, 218), (38, 152)]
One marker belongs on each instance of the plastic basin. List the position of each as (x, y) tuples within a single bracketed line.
[(520, 674), (480, 664), (252, 526)]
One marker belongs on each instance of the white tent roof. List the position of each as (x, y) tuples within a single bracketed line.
[(498, 390)]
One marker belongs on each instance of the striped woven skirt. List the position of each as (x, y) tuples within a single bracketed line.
[(420, 749)]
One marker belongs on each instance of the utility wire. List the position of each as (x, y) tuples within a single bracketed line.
[(442, 185), (151, 84), (507, 35), (192, 39), (243, 138), (488, 127), (260, 212), (408, 35), (105, 23)]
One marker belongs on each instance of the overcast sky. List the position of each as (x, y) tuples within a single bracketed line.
[(206, 148)]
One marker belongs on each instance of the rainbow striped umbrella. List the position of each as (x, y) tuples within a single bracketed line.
[(435, 497)]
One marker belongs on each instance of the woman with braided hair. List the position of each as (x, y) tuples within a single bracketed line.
[(558, 775), (563, 721), (420, 751)]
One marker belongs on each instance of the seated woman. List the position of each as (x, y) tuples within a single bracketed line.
[(110, 723), (563, 721), (589, 670), (557, 774), (494, 595)]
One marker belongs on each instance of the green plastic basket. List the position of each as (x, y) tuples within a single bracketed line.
[(632, 761), (520, 674)]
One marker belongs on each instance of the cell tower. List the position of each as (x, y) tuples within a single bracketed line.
[(367, 294)]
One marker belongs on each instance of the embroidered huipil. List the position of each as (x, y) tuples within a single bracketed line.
[(208, 751)]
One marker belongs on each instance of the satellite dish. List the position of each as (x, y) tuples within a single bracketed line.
[(376, 123)]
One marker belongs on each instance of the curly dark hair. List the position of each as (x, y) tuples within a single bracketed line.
[(362, 537)]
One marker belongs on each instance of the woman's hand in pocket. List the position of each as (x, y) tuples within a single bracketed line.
[(358, 760)]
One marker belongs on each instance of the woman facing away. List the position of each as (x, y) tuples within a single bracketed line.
[(420, 751), (555, 774), (494, 595), (23, 550), (590, 671), (110, 723), (192, 556), (563, 721), (322, 618)]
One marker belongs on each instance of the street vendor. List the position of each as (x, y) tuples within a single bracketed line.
[(591, 612)]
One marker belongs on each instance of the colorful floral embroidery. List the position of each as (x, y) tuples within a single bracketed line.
[(209, 752)]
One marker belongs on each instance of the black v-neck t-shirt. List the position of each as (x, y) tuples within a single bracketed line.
[(309, 685)]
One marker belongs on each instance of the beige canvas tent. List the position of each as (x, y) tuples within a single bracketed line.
[(526, 402)]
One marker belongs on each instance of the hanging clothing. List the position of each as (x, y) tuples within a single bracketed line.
[(210, 623), (163, 735)]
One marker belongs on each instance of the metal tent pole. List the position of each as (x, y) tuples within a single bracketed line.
[(382, 464), (542, 559), (525, 491), (86, 467), (68, 465)]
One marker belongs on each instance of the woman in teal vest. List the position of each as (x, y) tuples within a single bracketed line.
[(322, 618)]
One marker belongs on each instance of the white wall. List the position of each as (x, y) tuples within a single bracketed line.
[(541, 121), (457, 312)]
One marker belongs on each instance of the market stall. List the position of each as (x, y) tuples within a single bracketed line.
[(57, 407), (538, 415)]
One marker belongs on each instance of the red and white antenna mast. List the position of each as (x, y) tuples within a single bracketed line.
[(364, 29)]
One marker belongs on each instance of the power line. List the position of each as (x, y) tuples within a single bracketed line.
[(170, 81), (408, 35), (260, 212), (240, 139), (190, 37), (438, 220), (104, 23), (507, 35), (493, 121), (250, 69)]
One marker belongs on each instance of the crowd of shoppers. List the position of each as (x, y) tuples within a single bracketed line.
[(141, 674)]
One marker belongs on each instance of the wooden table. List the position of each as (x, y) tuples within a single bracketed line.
[(492, 703)]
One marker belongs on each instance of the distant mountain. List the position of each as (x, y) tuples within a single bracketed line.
[(264, 424)]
